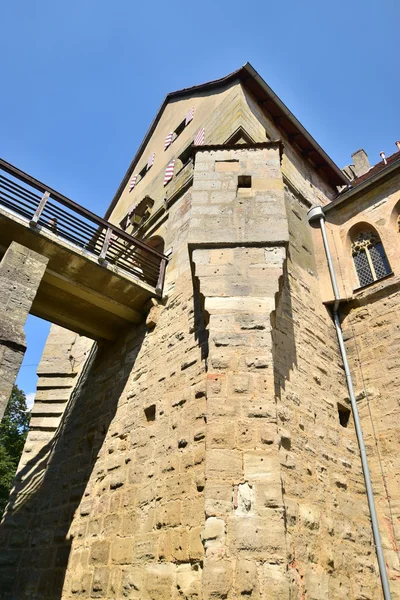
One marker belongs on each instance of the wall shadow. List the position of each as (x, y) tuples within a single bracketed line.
[(283, 335), (201, 317), (34, 536)]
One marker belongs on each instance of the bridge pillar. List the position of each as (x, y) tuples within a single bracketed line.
[(21, 271)]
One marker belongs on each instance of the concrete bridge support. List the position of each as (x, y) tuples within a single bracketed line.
[(21, 271)]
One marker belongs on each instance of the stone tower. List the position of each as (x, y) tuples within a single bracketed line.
[(206, 453)]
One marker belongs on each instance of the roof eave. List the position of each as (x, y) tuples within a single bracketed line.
[(338, 177), (348, 195)]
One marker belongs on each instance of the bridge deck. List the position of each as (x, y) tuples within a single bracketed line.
[(99, 278)]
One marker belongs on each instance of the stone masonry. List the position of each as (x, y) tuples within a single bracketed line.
[(21, 271), (203, 455)]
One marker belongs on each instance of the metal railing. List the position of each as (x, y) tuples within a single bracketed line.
[(46, 208)]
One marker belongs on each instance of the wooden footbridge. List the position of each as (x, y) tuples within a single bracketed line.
[(98, 279)]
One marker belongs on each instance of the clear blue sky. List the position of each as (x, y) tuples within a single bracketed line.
[(82, 80)]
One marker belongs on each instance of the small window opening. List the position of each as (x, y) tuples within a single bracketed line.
[(179, 130), (244, 181), (124, 223), (344, 415), (141, 174), (150, 413), (186, 156)]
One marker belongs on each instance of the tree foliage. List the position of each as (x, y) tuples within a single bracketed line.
[(13, 431)]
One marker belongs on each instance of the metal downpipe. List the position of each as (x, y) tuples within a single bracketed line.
[(313, 214)]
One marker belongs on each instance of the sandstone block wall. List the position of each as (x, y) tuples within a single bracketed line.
[(21, 271), (371, 328), (203, 458), (238, 275), (328, 526)]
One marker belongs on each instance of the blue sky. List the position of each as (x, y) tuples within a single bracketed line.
[(83, 79)]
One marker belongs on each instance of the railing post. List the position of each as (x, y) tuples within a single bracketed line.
[(161, 276), (34, 221), (106, 243)]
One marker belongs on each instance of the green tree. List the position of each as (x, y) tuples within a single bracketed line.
[(13, 431)]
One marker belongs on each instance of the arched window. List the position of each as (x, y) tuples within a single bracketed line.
[(156, 242), (369, 258)]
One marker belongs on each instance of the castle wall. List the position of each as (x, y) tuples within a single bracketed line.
[(328, 526), (286, 512), (202, 455), (370, 327), (371, 330), (239, 238)]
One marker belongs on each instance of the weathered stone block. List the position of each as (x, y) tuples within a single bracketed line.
[(224, 464), (100, 552), (217, 579)]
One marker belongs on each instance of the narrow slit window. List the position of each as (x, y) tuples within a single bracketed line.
[(344, 415), (369, 258), (150, 413)]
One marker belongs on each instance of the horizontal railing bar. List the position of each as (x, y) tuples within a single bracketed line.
[(64, 234), (124, 255), (22, 211), (133, 252), (131, 249), (76, 207), (19, 187), (140, 264), (16, 202), (64, 227), (71, 213), (137, 269), (59, 213), (16, 193), (19, 193)]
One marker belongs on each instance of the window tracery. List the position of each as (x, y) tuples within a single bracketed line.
[(369, 258)]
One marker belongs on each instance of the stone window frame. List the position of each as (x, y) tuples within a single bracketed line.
[(375, 264)]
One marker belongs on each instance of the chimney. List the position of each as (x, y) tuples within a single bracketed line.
[(350, 172), (398, 146), (361, 162), (383, 157)]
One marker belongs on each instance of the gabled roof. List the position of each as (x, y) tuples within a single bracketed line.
[(281, 115)]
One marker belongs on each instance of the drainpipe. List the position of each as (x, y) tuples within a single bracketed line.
[(314, 214)]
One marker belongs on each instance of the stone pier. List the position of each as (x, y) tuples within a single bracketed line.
[(21, 271)]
